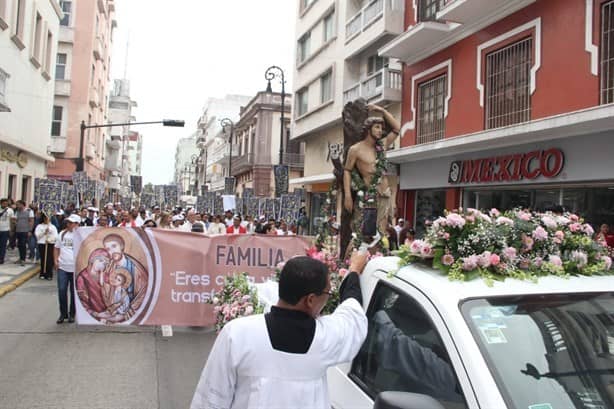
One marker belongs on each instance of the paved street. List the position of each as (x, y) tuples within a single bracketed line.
[(45, 365)]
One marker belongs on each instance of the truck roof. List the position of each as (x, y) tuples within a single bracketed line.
[(437, 287)]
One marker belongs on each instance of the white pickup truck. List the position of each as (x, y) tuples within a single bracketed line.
[(447, 344)]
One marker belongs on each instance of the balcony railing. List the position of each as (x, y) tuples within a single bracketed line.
[(241, 163), (375, 85), (94, 100), (294, 160), (363, 19)]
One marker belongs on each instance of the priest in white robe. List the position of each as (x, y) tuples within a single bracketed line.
[(279, 359)]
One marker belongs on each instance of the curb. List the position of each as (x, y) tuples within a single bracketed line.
[(7, 288)]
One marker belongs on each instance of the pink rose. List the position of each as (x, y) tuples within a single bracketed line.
[(575, 227), (426, 251), (588, 229), (538, 261), (446, 236), (249, 310), (574, 217), (540, 234), (484, 259), (447, 259), (494, 260), (559, 235), (343, 272), (608, 262), (416, 246), (246, 298), (494, 212), (527, 242), (556, 260), (470, 218), (510, 253), (524, 216), (217, 309), (470, 263)]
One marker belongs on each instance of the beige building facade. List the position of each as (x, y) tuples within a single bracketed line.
[(82, 87), (337, 62), (28, 43)]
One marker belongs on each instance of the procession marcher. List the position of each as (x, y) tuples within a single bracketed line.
[(165, 221), (111, 220), (24, 223), (236, 227), (279, 360), (216, 227), (32, 243), (283, 229), (191, 219), (46, 234), (64, 262), (6, 214), (157, 214), (228, 220), (177, 222), (103, 221)]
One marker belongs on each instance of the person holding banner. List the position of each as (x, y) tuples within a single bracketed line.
[(236, 227), (64, 262), (46, 235), (279, 360)]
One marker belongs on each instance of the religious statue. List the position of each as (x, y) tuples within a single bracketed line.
[(366, 187)]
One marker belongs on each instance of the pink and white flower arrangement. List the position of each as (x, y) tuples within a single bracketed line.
[(517, 243), (236, 299)]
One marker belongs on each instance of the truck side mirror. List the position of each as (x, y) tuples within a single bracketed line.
[(405, 400)]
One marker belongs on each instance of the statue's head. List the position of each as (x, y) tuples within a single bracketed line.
[(373, 126)]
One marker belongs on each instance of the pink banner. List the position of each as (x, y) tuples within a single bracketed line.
[(129, 276)]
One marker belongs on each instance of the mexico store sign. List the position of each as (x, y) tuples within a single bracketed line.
[(140, 276), (547, 163)]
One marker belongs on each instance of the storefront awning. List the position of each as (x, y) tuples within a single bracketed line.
[(592, 120), (308, 180)]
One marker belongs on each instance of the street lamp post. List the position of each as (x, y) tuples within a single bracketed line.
[(270, 74), (80, 162)]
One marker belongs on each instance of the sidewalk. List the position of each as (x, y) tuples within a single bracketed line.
[(13, 275)]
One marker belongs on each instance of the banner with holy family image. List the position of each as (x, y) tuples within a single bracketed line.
[(137, 276)]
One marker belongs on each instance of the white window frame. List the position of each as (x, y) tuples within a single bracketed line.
[(328, 74), (327, 34), (57, 64), (57, 121), (304, 46), (67, 14), (302, 94), (4, 76)]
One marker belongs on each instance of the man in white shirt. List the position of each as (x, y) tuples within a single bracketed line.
[(228, 218), (279, 360), (191, 219), (6, 214), (64, 262)]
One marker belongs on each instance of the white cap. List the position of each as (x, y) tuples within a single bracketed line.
[(59, 213), (401, 220), (177, 217), (74, 218)]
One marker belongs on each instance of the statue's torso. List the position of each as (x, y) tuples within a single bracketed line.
[(366, 160)]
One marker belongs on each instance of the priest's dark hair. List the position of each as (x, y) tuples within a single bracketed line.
[(301, 276)]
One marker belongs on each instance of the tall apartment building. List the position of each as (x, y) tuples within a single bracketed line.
[(28, 42), (337, 61), (212, 142), (257, 140), (81, 92), (123, 147), (185, 153), (506, 103)]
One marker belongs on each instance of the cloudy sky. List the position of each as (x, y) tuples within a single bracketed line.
[(182, 52)]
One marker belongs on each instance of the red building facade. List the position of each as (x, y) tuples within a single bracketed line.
[(506, 103)]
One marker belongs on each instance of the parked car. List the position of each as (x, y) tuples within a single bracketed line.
[(450, 344)]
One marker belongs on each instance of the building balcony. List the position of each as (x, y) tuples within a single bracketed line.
[(93, 97), (217, 183), (66, 35), (111, 5), (380, 87), (472, 11), (242, 163), (456, 20), (98, 48), (377, 21), (220, 154), (293, 160), (58, 144)]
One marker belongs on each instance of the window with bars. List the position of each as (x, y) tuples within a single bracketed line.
[(431, 103), (508, 72), (607, 53), (427, 9)]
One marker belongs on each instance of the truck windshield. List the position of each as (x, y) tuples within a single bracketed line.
[(548, 351)]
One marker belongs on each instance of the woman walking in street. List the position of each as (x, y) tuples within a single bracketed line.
[(46, 235)]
